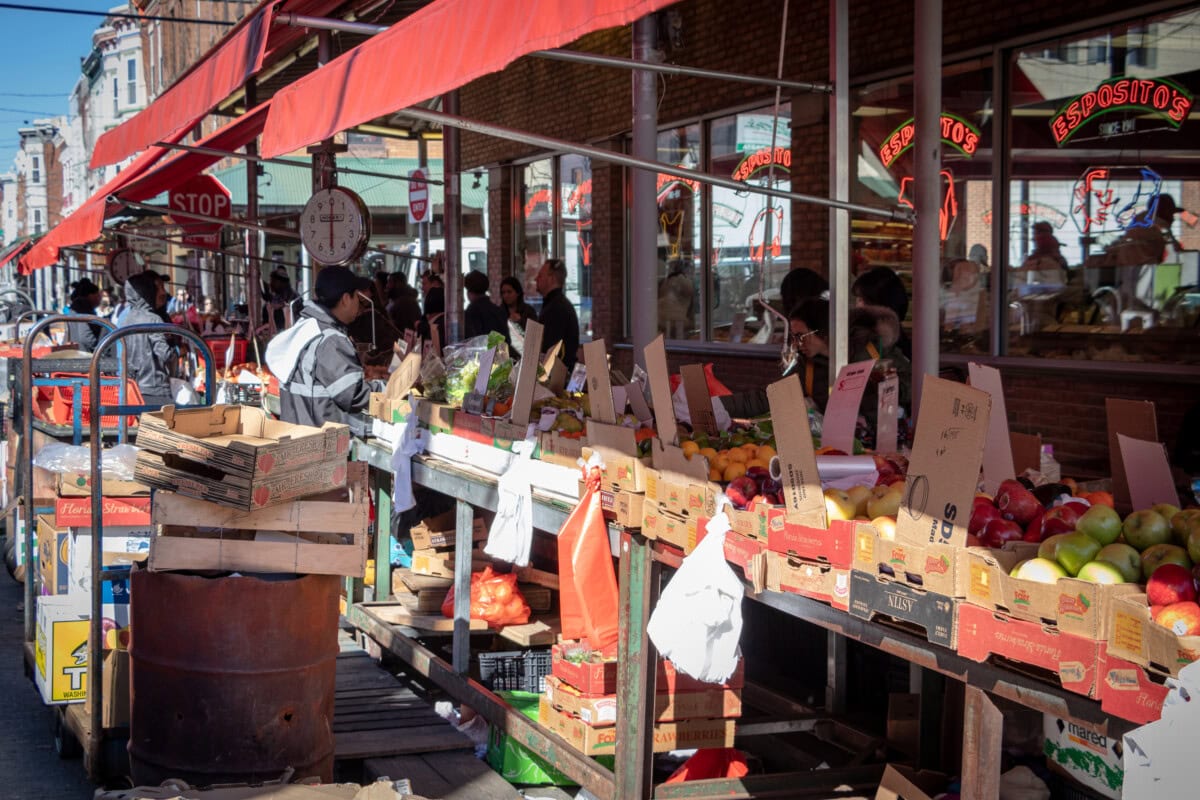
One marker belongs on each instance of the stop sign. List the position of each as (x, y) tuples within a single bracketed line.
[(204, 195), (418, 196)]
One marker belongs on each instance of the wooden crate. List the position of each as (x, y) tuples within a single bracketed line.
[(323, 534)]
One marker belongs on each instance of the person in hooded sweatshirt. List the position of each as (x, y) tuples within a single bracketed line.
[(85, 299), (321, 378), (148, 355)]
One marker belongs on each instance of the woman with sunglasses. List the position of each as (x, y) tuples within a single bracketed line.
[(808, 325)]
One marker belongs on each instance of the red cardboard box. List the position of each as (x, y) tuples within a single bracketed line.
[(814, 579), (600, 710), (77, 511), (741, 551), (1128, 691), (668, 736), (833, 546), (600, 677), (1073, 659)]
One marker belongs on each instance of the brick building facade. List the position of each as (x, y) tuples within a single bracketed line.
[(592, 105)]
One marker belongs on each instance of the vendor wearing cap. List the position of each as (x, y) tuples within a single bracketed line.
[(321, 378), (85, 297)]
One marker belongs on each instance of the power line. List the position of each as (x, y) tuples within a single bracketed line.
[(25, 94), (116, 15), (31, 111)]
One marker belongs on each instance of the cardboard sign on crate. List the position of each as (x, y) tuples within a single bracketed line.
[(323, 535)]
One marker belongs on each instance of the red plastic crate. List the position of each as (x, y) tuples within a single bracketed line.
[(220, 344), (63, 400)]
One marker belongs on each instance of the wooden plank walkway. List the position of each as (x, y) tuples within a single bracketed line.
[(445, 776)]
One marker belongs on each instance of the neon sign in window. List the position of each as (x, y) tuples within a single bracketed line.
[(956, 132), (947, 214), (1154, 95), (1115, 199)]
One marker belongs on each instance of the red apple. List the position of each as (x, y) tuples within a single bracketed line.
[(999, 531), (1182, 619), (1060, 519), (982, 513), (1155, 611), (1034, 531), (1170, 584), (1080, 506), (740, 491), (1017, 503)]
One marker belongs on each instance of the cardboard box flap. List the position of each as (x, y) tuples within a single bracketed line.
[(902, 783), (603, 437), (1133, 418), (599, 384), (802, 493), (660, 391), (998, 454), (699, 402), (401, 381), (527, 369), (1026, 452), (215, 420), (943, 471)]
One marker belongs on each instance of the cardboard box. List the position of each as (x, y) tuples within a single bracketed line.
[(61, 649), (79, 484), (872, 597), (470, 427), (1129, 691), (903, 783), (599, 677), (813, 579), (437, 417), (623, 507), (437, 533), (670, 528), (65, 554), (325, 534), (668, 736), (1134, 636), (832, 546), (238, 456), (76, 512), (555, 448), (54, 556), (1085, 754), (1071, 660), (743, 552), (440, 564), (682, 495), (939, 568), (624, 467), (600, 711), (1073, 606)]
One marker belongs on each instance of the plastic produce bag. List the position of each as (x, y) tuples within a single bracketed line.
[(413, 440), (511, 535), (116, 462), (698, 620), (711, 763), (462, 364), (587, 584), (495, 599)]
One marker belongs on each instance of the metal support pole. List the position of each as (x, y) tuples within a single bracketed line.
[(452, 222), (423, 227), (1001, 202), (636, 671), (927, 164), (250, 239), (643, 224), (983, 736), (835, 673), (463, 521), (383, 539), (839, 186)]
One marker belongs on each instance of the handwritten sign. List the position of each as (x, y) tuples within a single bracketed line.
[(841, 413)]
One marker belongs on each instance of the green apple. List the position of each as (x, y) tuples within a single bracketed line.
[(1154, 557), (1166, 510), (1146, 528), (1181, 524), (1041, 570), (1074, 550), (1124, 558), (839, 505), (1049, 546), (1101, 572), (1012, 573), (1193, 543), (1101, 523)]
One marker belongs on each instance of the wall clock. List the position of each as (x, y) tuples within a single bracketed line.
[(335, 226)]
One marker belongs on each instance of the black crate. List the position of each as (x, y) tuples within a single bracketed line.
[(515, 670)]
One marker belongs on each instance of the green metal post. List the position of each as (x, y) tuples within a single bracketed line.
[(383, 540), (635, 670)]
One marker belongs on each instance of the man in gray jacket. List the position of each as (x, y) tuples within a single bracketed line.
[(321, 378), (148, 354)]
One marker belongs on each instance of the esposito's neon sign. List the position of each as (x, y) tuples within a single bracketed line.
[(1153, 95), (956, 132)]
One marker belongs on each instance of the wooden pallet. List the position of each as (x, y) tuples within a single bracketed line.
[(447, 776)]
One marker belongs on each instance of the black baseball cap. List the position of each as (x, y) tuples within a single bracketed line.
[(333, 282)]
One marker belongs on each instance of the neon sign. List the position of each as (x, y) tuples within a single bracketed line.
[(1039, 210), (1101, 202), (667, 183), (947, 214), (541, 196), (956, 132), (1155, 95), (759, 159)]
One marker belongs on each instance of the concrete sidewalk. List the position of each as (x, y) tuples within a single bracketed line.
[(29, 767)]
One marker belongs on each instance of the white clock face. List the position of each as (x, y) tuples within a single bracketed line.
[(334, 226), (122, 264)]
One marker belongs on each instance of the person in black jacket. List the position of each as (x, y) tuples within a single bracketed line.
[(148, 355), (85, 298), (512, 298), (482, 315), (558, 315), (321, 378)]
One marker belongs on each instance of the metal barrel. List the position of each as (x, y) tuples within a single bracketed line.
[(232, 678)]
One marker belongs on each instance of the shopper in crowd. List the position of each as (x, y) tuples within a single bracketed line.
[(105, 309), (677, 301), (403, 308), (875, 333), (435, 308), (881, 286), (512, 295), (808, 326), (85, 299), (180, 303), (211, 323), (148, 355), (321, 378), (1046, 264), (281, 295), (558, 315), (482, 316), (798, 285)]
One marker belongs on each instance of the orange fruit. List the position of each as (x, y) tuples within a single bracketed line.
[(766, 453), (716, 475), (689, 448), (734, 471), (708, 453), (757, 462), (737, 455), (721, 463)]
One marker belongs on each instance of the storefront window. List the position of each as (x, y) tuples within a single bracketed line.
[(1102, 261), (882, 118), (535, 239), (680, 266), (575, 181)]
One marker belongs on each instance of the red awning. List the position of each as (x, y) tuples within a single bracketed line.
[(11, 253), (444, 45), (174, 171), (87, 222), (221, 72)]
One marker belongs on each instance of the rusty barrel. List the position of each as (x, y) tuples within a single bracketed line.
[(232, 678)]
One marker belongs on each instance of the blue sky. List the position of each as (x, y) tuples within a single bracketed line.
[(40, 56)]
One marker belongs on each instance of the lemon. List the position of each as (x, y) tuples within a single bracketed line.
[(734, 471)]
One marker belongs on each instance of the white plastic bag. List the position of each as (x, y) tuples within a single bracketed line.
[(698, 620), (183, 393), (413, 441), (511, 535)]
